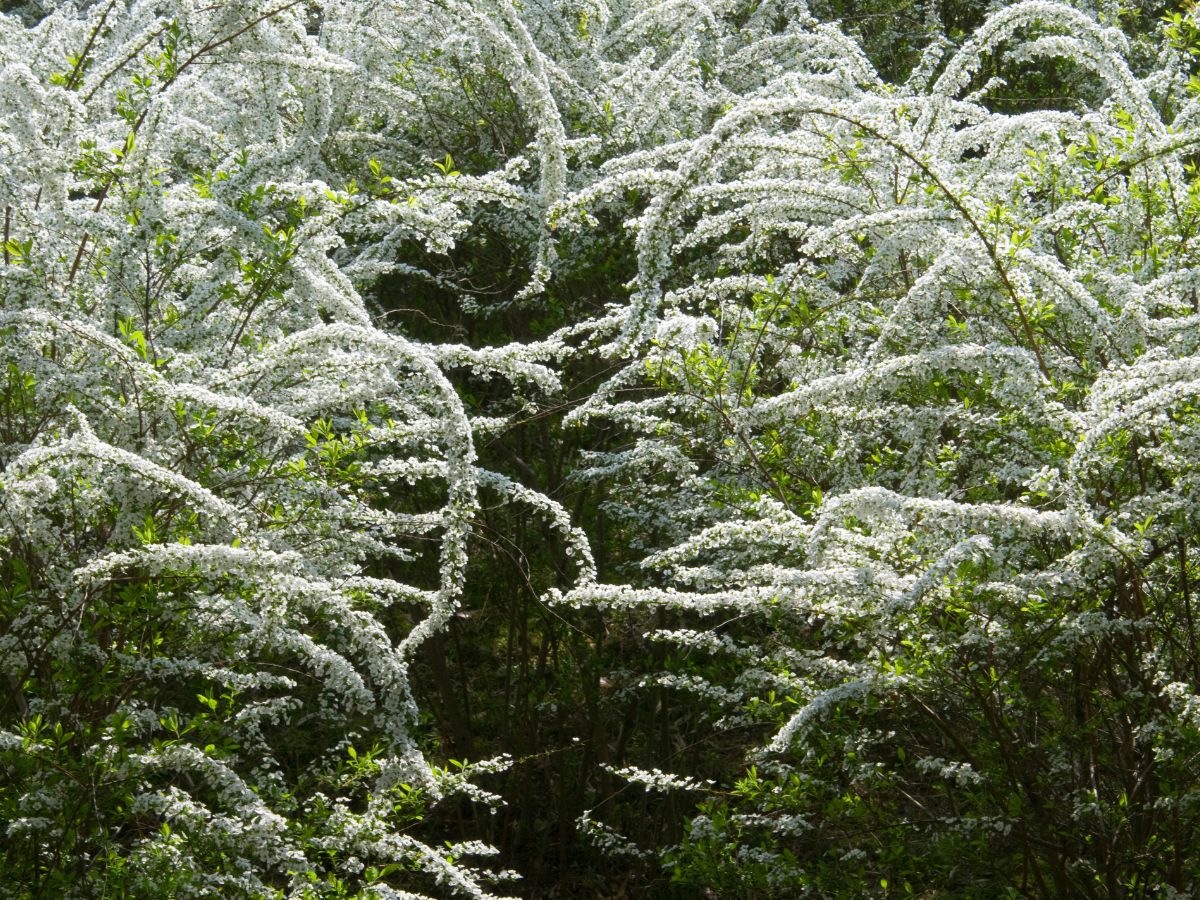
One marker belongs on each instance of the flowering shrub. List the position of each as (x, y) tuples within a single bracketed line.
[(885, 449), (234, 507), (918, 390)]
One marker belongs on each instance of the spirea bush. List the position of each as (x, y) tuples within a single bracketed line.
[(892, 431), (914, 377), (234, 507)]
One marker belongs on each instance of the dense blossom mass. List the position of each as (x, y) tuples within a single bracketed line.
[(799, 405)]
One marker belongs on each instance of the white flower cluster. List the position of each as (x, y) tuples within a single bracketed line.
[(658, 780), (896, 365), (223, 484), (914, 366)]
